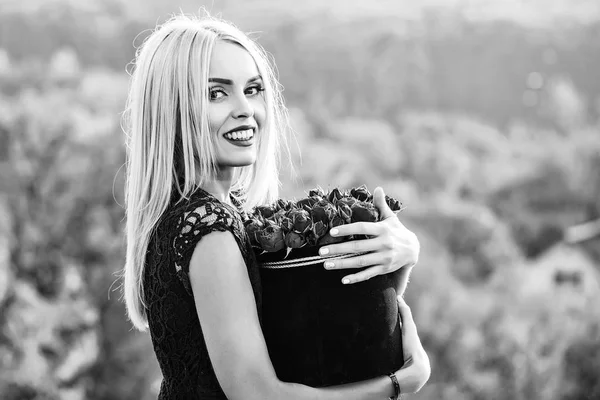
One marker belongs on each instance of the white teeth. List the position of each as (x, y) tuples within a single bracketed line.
[(240, 135)]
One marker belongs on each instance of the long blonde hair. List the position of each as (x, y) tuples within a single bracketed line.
[(169, 146)]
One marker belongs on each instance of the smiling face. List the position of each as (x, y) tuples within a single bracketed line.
[(236, 108)]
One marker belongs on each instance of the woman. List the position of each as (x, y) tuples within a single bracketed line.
[(205, 116)]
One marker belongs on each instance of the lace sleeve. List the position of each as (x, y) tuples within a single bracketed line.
[(192, 226)]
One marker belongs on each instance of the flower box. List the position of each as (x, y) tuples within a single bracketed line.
[(320, 332)]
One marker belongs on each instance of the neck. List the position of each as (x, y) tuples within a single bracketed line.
[(221, 185)]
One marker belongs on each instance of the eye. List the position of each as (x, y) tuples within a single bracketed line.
[(254, 90), (216, 93)]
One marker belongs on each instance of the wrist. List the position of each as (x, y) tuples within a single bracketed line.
[(396, 387)]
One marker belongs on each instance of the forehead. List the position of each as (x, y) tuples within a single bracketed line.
[(231, 61)]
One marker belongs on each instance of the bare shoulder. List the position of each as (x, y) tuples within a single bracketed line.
[(216, 248), (217, 268)]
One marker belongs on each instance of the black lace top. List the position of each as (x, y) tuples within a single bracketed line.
[(174, 326)]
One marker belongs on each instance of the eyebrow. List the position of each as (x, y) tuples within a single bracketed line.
[(230, 82)]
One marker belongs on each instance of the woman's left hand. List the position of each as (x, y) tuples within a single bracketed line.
[(391, 245)]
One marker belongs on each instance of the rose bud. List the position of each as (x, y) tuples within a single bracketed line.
[(348, 200), (264, 211), (283, 204), (252, 226), (286, 223), (334, 195), (278, 217), (294, 240), (316, 192), (344, 211), (363, 211), (323, 211), (301, 221), (336, 220), (361, 193), (318, 230), (392, 203), (271, 238), (308, 203)]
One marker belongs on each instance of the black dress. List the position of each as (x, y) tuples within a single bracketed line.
[(173, 321)]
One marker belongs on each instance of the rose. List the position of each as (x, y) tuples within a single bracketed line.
[(392, 203), (334, 195), (297, 224), (322, 214), (318, 231), (308, 203), (271, 237), (361, 193), (323, 211), (279, 216), (252, 227), (264, 211), (347, 200), (282, 204), (364, 211), (294, 240), (299, 221), (316, 192), (345, 212)]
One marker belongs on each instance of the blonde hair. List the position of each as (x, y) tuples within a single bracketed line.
[(168, 142)]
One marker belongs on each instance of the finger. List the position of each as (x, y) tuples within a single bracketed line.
[(353, 246), (379, 201), (409, 328), (357, 228), (364, 275), (361, 261)]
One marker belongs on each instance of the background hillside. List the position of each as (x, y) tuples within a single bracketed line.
[(483, 117)]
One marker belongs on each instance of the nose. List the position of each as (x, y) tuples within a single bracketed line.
[(243, 108)]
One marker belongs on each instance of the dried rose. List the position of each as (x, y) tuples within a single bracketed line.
[(347, 200), (317, 192), (392, 203), (300, 220), (334, 195), (279, 216), (323, 211), (252, 226), (364, 211), (344, 211), (294, 240), (318, 230), (264, 211), (361, 193), (271, 237), (282, 204), (337, 220), (308, 202)]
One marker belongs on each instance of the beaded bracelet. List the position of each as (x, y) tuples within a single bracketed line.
[(397, 394)]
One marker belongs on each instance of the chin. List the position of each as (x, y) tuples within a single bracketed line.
[(238, 162)]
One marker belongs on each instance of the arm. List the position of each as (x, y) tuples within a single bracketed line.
[(228, 316)]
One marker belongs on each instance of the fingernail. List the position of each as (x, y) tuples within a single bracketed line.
[(329, 264), (345, 281), (334, 232), (324, 251)]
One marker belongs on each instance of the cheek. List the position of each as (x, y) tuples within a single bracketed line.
[(260, 111), (216, 118)]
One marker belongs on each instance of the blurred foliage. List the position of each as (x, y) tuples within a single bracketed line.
[(488, 131)]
